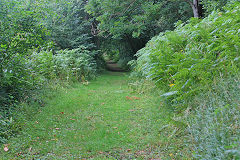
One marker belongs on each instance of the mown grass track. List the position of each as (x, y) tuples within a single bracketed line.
[(101, 120)]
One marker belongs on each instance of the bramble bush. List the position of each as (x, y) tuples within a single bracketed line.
[(186, 61)]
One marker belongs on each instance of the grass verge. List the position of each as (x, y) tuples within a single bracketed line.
[(215, 126)]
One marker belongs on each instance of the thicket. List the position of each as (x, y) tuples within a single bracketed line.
[(132, 23), (77, 64), (32, 57), (188, 60), (21, 34), (28, 53)]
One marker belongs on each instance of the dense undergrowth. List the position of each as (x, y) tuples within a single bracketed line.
[(196, 68), (188, 60), (40, 71), (30, 62)]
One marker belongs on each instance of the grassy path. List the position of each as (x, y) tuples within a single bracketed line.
[(102, 120)]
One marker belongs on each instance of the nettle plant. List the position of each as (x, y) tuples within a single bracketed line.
[(185, 61), (76, 64)]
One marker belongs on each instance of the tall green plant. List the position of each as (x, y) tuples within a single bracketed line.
[(77, 64), (211, 5), (21, 33), (185, 61)]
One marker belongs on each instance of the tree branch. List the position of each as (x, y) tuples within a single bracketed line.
[(122, 13), (129, 7)]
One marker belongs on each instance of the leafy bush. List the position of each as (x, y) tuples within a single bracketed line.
[(211, 5), (21, 33), (42, 66), (185, 61), (20, 77), (76, 64), (27, 65), (23, 74)]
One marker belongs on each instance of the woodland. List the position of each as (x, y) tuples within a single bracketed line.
[(174, 92)]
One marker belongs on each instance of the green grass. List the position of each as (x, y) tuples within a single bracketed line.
[(215, 126), (100, 120)]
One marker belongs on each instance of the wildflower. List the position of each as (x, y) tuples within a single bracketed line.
[(171, 85)]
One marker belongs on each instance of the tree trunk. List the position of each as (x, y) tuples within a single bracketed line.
[(196, 7)]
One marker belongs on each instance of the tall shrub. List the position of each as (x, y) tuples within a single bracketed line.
[(21, 34)]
